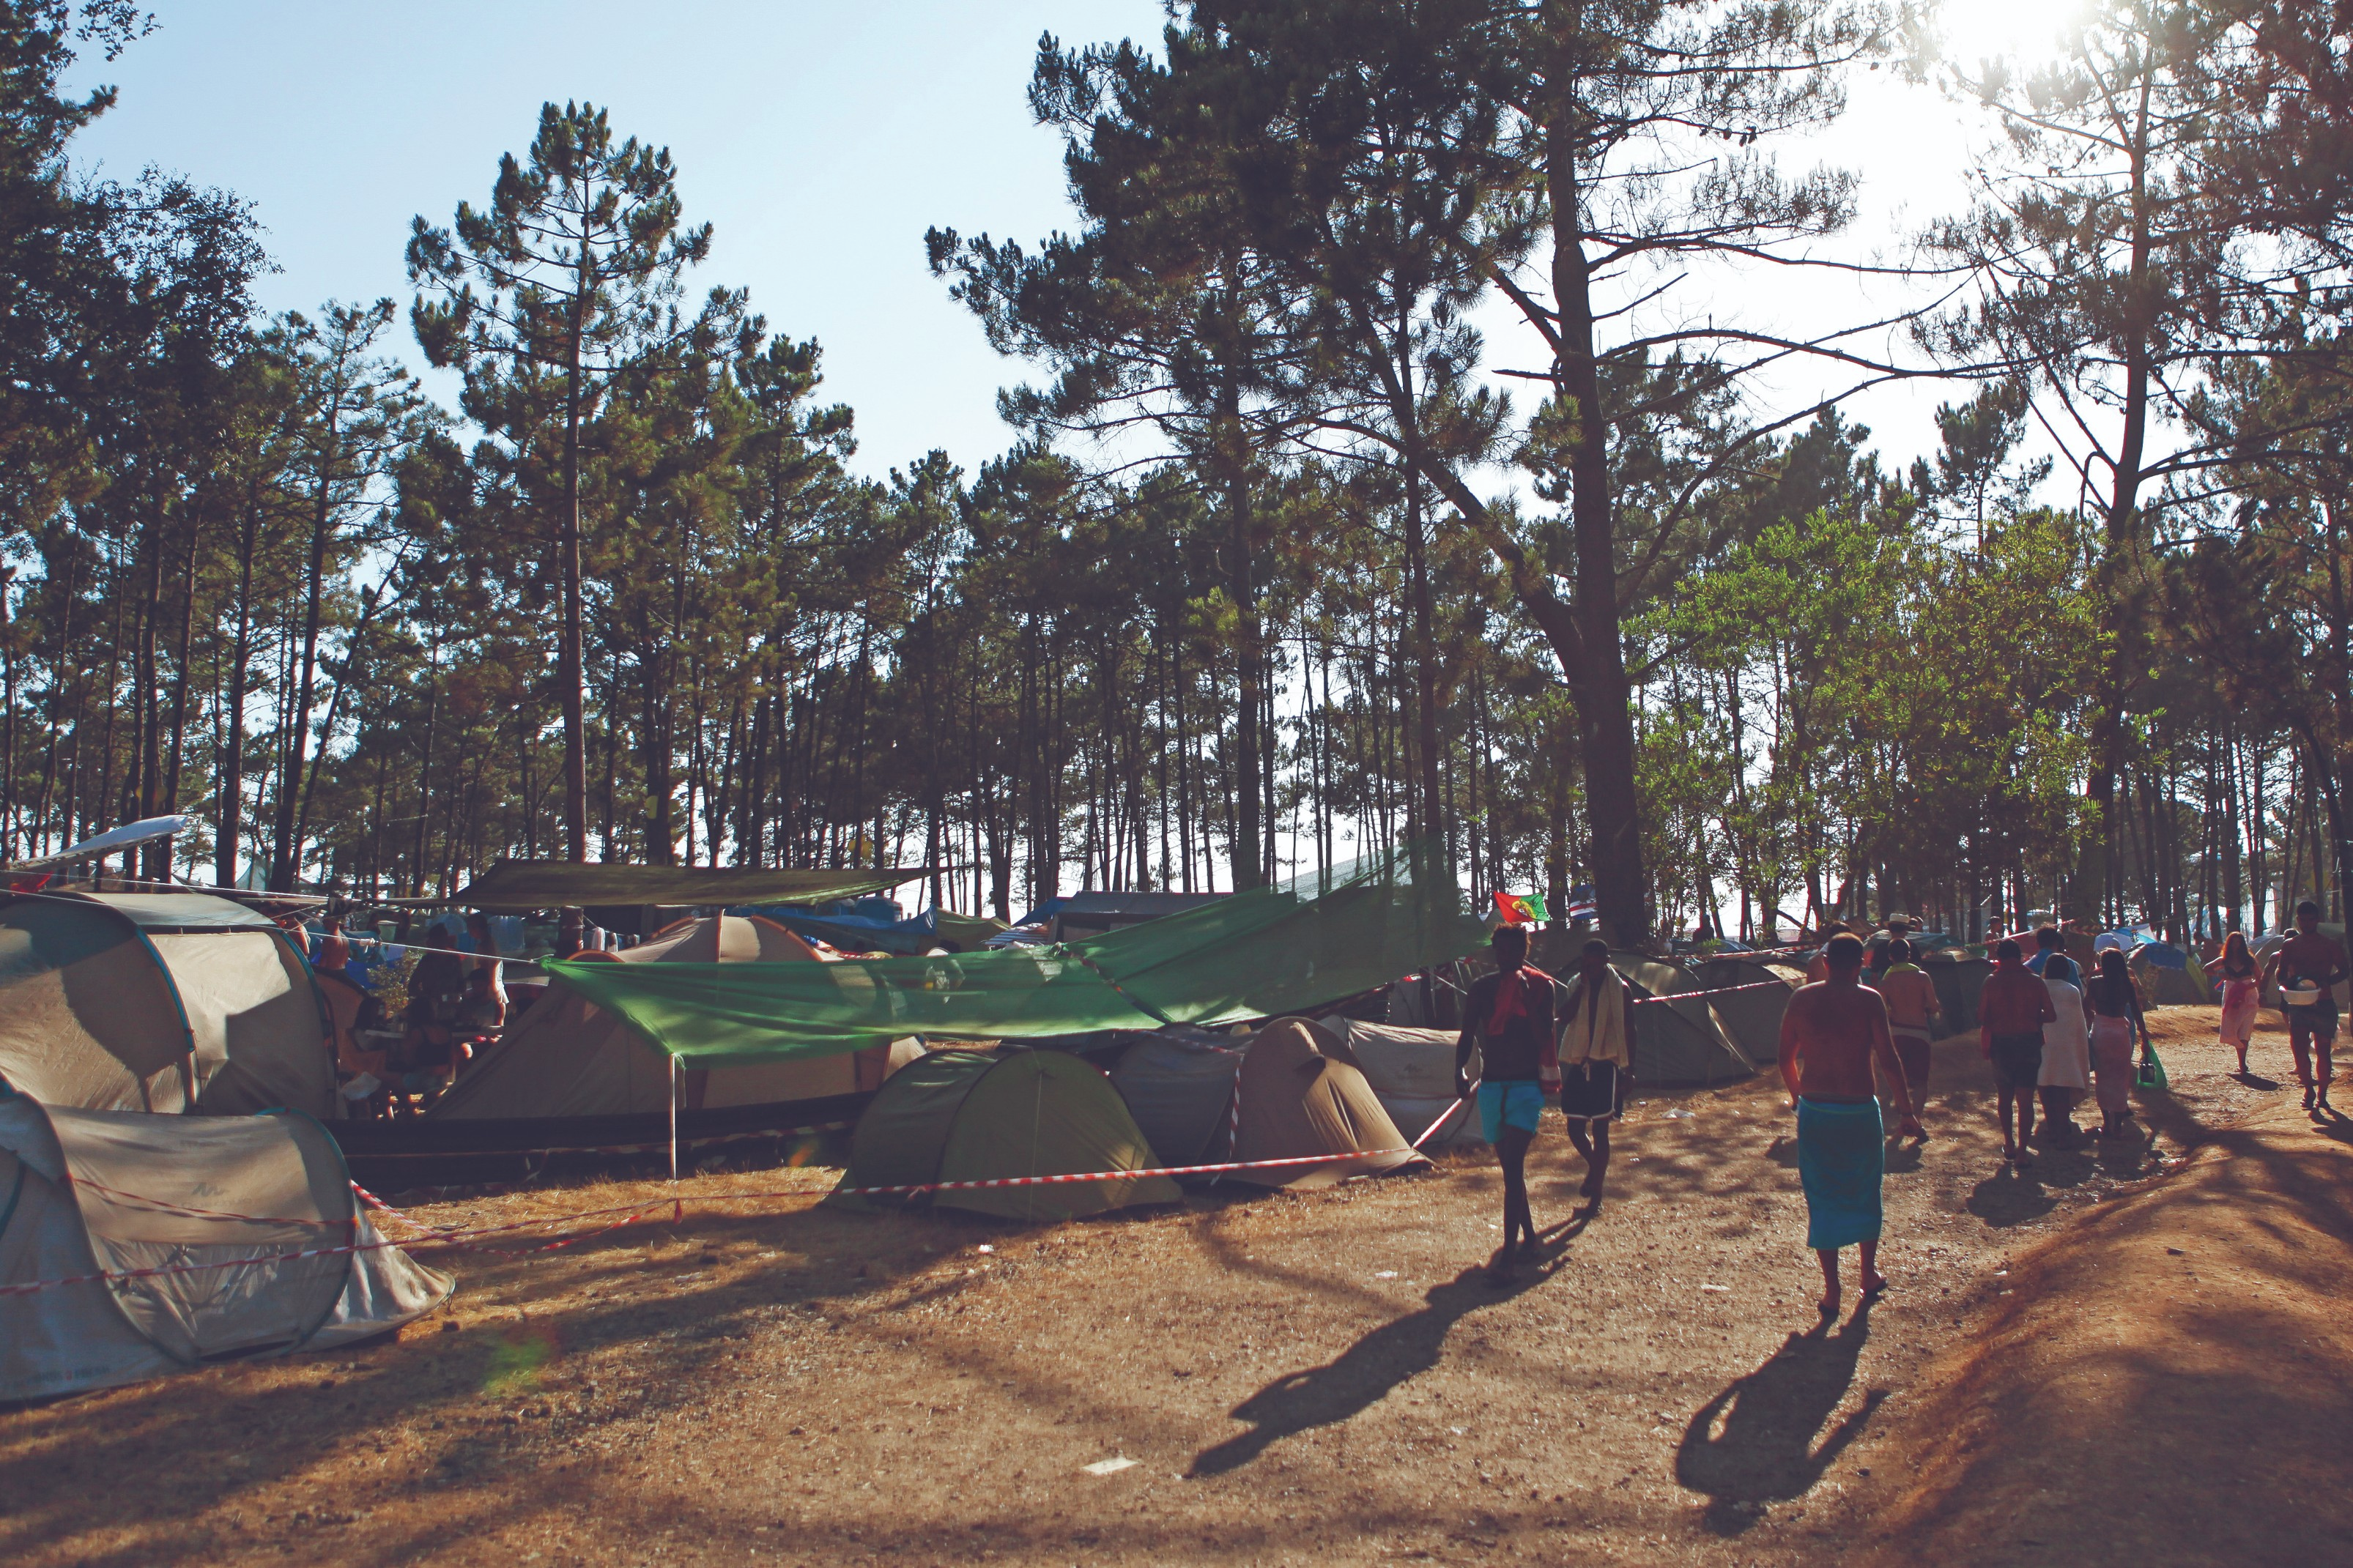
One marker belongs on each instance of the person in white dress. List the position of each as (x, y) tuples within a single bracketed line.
[(2066, 1053)]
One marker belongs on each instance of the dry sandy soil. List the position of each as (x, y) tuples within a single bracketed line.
[(2123, 1356)]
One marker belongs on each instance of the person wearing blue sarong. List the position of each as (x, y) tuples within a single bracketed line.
[(1831, 1034)]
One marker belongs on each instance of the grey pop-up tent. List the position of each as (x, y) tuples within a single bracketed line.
[(186, 1239), (163, 1002), (1179, 1084)]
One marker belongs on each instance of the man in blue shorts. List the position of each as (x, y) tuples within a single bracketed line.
[(1508, 1017)]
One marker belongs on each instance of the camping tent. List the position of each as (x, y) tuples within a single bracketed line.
[(113, 1192), (1753, 993), (2169, 977), (1178, 1084), (565, 1056), (1677, 1042), (158, 1002), (1303, 1092), (971, 1116), (1959, 979), (1412, 1072)]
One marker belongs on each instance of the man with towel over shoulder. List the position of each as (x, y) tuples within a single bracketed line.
[(1597, 1059), (1831, 1036)]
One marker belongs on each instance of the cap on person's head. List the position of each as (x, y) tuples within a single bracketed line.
[(1844, 952), (1596, 948), (2048, 939), (1899, 952), (2007, 950), (2308, 906)]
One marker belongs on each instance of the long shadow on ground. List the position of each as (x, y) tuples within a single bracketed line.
[(1762, 1440), (1365, 1374)]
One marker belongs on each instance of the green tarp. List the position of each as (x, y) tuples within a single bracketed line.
[(521, 885), (1254, 955)]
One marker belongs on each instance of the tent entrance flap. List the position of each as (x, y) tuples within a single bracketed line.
[(1253, 955)]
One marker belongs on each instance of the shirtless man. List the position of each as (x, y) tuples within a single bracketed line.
[(1508, 1017), (2012, 1006), (2312, 1028), (1831, 1034)]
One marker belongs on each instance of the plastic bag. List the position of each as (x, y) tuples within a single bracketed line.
[(2152, 1071)]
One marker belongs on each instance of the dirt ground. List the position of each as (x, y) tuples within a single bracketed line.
[(1322, 1376)]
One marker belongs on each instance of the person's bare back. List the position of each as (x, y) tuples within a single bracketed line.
[(1829, 1037)]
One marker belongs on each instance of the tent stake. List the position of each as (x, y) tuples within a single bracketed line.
[(673, 1119)]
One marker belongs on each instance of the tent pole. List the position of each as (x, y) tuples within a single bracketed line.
[(673, 1119)]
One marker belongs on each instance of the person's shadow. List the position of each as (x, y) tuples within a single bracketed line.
[(1367, 1370), (1761, 1440), (2011, 1196)]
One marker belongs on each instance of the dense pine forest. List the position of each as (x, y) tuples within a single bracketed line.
[(1282, 561)]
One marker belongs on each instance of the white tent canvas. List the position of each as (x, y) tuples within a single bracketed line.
[(218, 1205), (161, 1002), (1412, 1071)]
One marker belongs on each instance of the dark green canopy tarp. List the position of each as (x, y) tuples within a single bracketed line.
[(515, 885), (1254, 955)]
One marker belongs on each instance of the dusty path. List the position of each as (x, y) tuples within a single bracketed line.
[(1322, 1376)]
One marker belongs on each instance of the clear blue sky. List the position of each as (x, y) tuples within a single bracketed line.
[(820, 139)]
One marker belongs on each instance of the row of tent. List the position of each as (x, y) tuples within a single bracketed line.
[(1295, 1091)]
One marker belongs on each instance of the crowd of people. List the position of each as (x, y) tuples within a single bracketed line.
[(1855, 1053)]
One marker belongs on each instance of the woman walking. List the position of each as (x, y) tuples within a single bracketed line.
[(2066, 1075), (2243, 990), (2115, 1018)]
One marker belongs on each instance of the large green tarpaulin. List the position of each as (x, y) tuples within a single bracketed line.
[(1255, 955)]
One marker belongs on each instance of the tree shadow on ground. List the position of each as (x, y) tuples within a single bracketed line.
[(1365, 1374), (1756, 1442)]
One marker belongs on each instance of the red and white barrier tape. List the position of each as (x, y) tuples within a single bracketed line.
[(465, 1239)]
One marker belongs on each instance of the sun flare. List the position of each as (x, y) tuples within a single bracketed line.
[(2021, 30)]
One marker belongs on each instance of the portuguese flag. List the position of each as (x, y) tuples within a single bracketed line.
[(1520, 910)]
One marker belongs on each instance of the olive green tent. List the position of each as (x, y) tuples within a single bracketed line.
[(975, 1116), (1678, 1040), (2170, 985), (1752, 993), (1960, 977)]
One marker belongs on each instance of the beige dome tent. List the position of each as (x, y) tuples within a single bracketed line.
[(1302, 1091), (87, 1193), (565, 1056), (161, 1002), (1412, 1072)]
